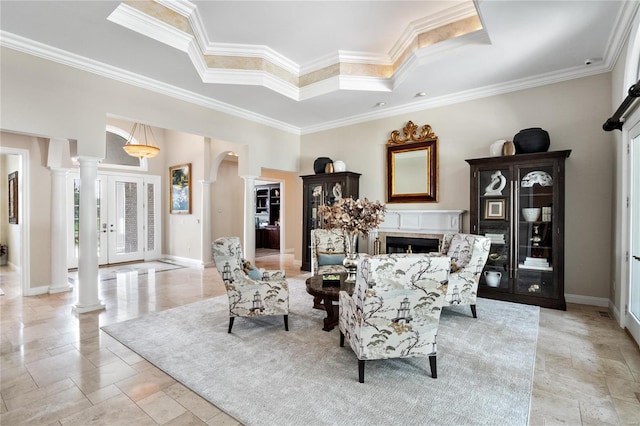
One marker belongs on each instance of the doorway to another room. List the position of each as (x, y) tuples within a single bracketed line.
[(268, 197)]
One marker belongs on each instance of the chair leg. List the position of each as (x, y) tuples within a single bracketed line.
[(230, 323), (361, 370), (432, 363), (473, 311), (341, 339), (286, 323)]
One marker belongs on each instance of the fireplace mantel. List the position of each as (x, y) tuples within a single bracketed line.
[(417, 223), (422, 221)]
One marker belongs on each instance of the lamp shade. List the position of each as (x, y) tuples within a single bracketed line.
[(140, 149)]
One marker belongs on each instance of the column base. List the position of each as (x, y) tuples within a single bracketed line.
[(76, 309)]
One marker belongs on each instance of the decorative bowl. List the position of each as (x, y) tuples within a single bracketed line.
[(531, 214), (531, 140)]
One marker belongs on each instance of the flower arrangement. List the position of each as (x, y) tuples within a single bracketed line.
[(3, 249), (352, 215)]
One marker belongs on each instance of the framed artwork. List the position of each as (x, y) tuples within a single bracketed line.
[(494, 209), (13, 197), (180, 187)]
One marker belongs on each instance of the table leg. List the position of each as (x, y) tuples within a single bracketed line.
[(332, 314)]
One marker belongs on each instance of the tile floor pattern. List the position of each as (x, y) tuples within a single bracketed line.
[(60, 369)]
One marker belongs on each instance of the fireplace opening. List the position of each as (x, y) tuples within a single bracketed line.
[(416, 245)]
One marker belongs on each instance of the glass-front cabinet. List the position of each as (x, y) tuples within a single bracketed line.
[(322, 189), (518, 202)]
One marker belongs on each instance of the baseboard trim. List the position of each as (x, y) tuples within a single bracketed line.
[(587, 300), (184, 261)]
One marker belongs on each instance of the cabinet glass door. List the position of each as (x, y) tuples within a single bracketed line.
[(534, 231), (494, 221)]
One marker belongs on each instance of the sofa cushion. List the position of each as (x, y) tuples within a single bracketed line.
[(330, 258), (460, 251)]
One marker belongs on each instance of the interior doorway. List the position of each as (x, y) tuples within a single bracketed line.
[(268, 216)]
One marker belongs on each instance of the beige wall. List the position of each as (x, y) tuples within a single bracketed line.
[(572, 112), (49, 100)]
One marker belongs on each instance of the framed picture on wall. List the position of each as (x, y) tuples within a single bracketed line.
[(13, 197), (180, 189), (494, 209)]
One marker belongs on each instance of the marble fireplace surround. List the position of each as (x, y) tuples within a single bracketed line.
[(416, 224)]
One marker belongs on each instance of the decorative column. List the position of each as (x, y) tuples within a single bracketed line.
[(249, 245), (206, 223), (87, 299), (59, 237)]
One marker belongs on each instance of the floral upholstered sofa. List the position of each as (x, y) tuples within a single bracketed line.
[(395, 308)]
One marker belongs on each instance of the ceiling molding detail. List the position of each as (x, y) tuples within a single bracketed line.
[(63, 57), (179, 25)]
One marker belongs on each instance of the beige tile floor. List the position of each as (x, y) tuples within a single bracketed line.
[(60, 369)]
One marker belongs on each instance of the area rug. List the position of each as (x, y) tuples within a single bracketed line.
[(262, 375), (140, 268)]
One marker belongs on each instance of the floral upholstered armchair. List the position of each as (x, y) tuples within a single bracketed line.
[(327, 251), (468, 255), (266, 294), (395, 308)]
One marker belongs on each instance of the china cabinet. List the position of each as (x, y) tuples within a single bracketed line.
[(518, 202), (322, 189)]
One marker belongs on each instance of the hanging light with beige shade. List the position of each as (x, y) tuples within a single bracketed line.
[(146, 149)]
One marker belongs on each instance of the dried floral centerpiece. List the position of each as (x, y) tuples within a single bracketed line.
[(354, 217)]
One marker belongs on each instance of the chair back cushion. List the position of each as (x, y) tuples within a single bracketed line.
[(397, 302)]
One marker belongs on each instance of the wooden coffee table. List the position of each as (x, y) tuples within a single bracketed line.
[(323, 297)]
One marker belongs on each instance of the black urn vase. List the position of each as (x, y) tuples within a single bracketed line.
[(528, 141), (320, 164)]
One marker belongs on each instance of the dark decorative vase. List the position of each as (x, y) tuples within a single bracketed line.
[(320, 164), (528, 141)]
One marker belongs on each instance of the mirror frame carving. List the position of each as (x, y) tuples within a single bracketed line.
[(409, 141)]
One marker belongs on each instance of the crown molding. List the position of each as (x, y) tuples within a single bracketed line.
[(464, 96), (138, 21), (621, 30), (246, 72), (63, 57), (415, 28)]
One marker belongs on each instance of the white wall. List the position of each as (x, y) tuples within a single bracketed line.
[(572, 112)]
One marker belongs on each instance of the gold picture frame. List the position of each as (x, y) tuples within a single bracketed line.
[(180, 189), (412, 165)]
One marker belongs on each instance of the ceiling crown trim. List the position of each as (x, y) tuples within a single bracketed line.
[(179, 25)]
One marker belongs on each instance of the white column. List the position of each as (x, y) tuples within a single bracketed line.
[(59, 275), (206, 223), (87, 299), (249, 246)]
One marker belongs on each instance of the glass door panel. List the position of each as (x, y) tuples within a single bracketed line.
[(494, 221), (633, 317), (125, 225), (534, 231)]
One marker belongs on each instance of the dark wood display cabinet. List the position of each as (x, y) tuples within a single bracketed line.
[(322, 189), (518, 202)]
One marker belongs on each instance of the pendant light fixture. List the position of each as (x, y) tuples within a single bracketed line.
[(141, 150)]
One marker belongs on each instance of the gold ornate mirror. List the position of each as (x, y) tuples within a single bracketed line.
[(412, 165)]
